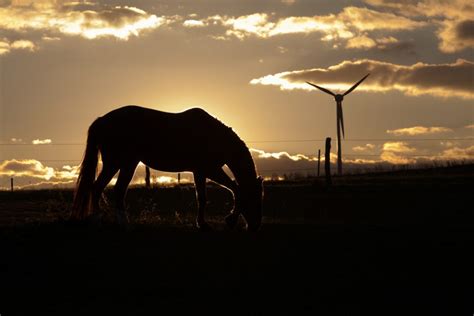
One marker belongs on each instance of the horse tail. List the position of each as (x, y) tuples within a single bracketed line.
[(82, 205)]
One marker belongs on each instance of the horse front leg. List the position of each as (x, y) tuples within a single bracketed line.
[(200, 182), (233, 218), (220, 177)]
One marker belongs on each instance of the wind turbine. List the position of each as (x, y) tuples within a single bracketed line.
[(340, 119)]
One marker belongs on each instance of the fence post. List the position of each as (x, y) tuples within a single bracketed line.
[(327, 161), (147, 177), (11, 183), (319, 160), (179, 178)]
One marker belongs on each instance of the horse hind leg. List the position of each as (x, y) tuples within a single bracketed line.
[(106, 174), (124, 178)]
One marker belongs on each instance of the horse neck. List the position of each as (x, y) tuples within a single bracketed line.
[(242, 166)]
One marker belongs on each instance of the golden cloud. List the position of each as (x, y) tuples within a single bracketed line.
[(446, 80), (365, 42), (362, 41), (333, 26), (41, 141), (87, 19), (288, 160), (459, 153), (283, 154), (6, 46), (398, 147), (396, 159), (419, 130), (392, 152), (194, 23), (253, 24), (35, 169), (366, 147)]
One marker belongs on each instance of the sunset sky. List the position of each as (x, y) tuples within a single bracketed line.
[(63, 63)]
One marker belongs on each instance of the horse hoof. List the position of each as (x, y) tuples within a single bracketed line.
[(231, 220), (122, 221), (204, 227), (95, 220)]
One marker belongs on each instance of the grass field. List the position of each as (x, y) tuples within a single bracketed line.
[(394, 244)]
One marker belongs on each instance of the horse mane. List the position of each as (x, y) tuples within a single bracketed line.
[(242, 151)]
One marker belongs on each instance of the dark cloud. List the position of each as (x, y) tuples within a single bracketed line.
[(453, 79), (454, 19), (465, 30), (114, 17), (456, 35), (401, 47)]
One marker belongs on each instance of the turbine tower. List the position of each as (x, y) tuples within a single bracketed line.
[(339, 116)]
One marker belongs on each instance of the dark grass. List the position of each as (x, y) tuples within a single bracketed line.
[(392, 244)]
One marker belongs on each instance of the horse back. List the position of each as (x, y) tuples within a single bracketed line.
[(170, 140)]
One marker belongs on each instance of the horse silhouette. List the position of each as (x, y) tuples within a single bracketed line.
[(191, 141)]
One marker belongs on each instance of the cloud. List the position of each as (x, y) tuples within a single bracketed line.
[(456, 35), (35, 169), (350, 22), (86, 19), (16, 140), (365, 19), (283, 154), (41, 141), (419, 130), (445, 80), (366, 147), (398, 147), (6, 46), (455, 19), (284, 162), (325, 24), (458, 153), (393, 152), (67, 172), (362, 41), (388, 43), (390, 153), (396, 159), (453, 9), (166, 180), (253, 24), (194, 23), (471, 126)]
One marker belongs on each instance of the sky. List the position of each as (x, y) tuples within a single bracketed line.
[(63, 64)]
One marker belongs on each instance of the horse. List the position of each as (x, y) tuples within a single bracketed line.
[(191, 141)]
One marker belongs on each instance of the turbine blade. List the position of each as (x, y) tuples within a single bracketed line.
[(321, 88), (355, 86), (341, 117)]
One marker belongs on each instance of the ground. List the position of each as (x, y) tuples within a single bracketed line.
[(392, 244)]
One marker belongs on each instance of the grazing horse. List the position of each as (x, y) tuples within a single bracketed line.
[(191, 141)]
